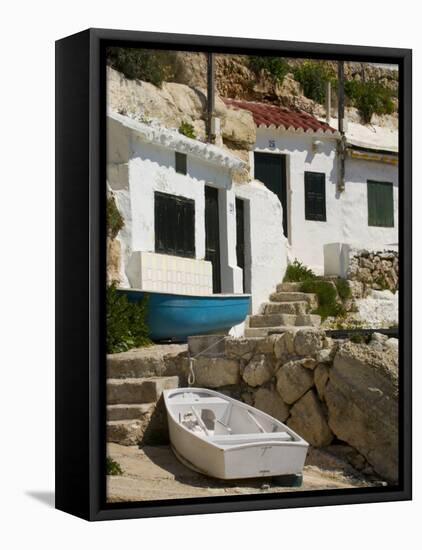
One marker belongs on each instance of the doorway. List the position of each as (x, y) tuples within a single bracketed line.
[(212, 236), (271, 170), (240, 237)]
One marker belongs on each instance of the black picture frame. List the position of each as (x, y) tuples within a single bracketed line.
[(81, 268)]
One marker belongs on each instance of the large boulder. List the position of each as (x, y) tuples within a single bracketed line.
[(309, 341), (258, 371), (362, 401), (321, 376), (238, 128), (214, 372), (268, 401), (293, 380), (307, 418)]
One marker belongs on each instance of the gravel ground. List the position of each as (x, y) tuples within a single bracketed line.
[(154, 473)]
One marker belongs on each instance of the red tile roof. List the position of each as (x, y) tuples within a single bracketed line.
[(270, 115)]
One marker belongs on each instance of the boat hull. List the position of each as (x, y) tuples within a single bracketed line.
[(174, 317), (248, 456)]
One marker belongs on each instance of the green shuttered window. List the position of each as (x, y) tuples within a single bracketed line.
[(174, 225), (315, 197), (380, 204)]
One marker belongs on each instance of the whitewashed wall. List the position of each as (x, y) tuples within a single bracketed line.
[(347, 213), (137, 169), (265, 243)]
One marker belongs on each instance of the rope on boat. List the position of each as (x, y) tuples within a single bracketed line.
[(191, 376)]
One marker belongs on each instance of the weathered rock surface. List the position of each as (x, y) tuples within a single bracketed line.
[(321, 375), (362, 401), (214, 372), (113, 260), (270, 402), (239, 128), (284, 344), (156, 360), (309, 341), (293, 380), (258, 371), (307, 418)]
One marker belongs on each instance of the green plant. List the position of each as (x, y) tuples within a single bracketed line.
[(343, 289), (126, 326), (360, 338), (187, 130), (113, 468), (313, 76), (296, 272), (327, 298), (369, 97), (153, 66), (276, 67), (114, 219)]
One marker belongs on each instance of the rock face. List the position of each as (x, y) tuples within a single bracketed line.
[(309, 341), (293, 380), (257, 371), (307, 418), (214, 372), (174, 103), (373, 270), (113, 260), (270, 402), (362, 401)]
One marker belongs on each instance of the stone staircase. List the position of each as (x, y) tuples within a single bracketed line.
[(135, 382), (288, 308)]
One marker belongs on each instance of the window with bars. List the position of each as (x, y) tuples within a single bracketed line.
[(315, 208), (380, 204), (174, 225)]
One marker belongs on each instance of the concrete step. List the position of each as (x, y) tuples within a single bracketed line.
[(135, 391), (290, 308), (276, 320), (289, 287), (283, 307), (262, 332), (129, 412), (143, 362), (125, 432), (272, 320), (286, 297)]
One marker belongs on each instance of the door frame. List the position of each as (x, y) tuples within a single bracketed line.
[(287, 161)]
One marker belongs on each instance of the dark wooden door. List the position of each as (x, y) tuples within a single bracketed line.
[(240, 236), (271, 170), (212, 236)]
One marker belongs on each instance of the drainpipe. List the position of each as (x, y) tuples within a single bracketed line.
[(341, 146), (210, 97)]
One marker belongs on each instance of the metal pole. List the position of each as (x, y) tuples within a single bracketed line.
[(342, 141), (328, 103), (210, 95), (340, 93)]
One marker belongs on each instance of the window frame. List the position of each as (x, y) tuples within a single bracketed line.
[(311, 216), (179, 231), (390, 185)]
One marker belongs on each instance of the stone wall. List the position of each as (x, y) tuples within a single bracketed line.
[(327, 391), (377, 270)]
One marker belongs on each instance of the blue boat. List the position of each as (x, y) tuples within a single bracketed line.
[(174, 317)]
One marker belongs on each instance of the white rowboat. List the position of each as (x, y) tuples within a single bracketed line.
[(224, 438)]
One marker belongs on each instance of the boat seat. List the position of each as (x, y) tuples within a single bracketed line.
[(280, 436)]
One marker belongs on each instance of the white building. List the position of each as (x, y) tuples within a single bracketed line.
[(295, 155), (188, 229)]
